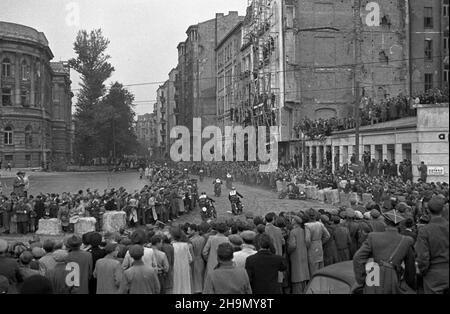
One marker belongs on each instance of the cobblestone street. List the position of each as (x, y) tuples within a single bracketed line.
[(256, 200)]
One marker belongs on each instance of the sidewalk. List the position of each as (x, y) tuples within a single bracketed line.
[(12, 174)]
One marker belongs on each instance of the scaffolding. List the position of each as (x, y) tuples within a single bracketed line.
[(258, 31)]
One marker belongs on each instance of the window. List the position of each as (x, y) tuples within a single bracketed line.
[(25, 71), (428, 17), (8, 136), (445, 73), (445, 43), (28, 136), (428, 81), (445, 9), (428, 49), (6, 97), (6, 68), (28, 160), (24, 98)]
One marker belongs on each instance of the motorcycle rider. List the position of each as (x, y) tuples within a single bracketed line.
[(235, 197), (205, 201), (229, 180), (217, 186), (201, 174)]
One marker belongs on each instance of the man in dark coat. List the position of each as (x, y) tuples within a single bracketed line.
[(389, 250), (342, 239), (423, 170), (19, 184), (9, 267), (432, 250), (263, 268), (226, 278), (84, 261)]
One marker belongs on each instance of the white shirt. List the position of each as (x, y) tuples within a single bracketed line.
[(149, 259), (240, 257)]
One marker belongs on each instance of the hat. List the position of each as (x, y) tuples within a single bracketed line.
[(26, 257), (336, 219), (350, 213), (360, 208), (367, 215), (136, 251), (358, 215), (324, 218), (298, 220), (3, 246), (74, 241), (375, 213), (436, 204), (235, 239), (60, 256), (370, 205), (402, 207), (37, 252), (110, 247), (248, 236), (393, 216), (334, 211)]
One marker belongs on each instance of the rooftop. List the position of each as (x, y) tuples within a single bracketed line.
[(18, 31)]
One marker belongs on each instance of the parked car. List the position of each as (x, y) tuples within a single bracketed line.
[(334, 279)]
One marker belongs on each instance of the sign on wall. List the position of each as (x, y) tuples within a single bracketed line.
[(436, 171)]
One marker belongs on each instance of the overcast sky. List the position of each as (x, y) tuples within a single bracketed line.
[(143, 33)]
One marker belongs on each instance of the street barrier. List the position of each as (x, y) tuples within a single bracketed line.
[(114, 221), (85, 225), (49, 227)]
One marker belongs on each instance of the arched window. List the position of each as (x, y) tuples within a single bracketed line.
[(25, 71), (8, 135), (6, 67), (28, 136)]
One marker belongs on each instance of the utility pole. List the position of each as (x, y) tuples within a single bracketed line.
[(356, 77), (357, 119)]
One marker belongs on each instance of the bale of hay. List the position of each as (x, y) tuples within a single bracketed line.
[(49, 227), (114, 221), (85, 225)]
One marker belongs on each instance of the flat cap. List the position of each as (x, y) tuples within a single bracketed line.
[(248, 235), (60, 256), (235, 239), (436, 204)]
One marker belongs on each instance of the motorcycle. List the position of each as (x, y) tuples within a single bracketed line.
[(236, 207), (302, 196), (208, 212), (217, 189)]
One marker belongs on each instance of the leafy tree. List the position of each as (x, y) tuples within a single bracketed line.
[(115, 123), (92, 63)]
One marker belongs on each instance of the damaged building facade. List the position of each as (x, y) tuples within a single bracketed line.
[(35, 103)]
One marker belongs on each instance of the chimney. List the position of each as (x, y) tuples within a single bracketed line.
[(219, 15), (233, 13)]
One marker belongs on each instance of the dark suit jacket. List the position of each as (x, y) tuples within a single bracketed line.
[(262, 269)]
